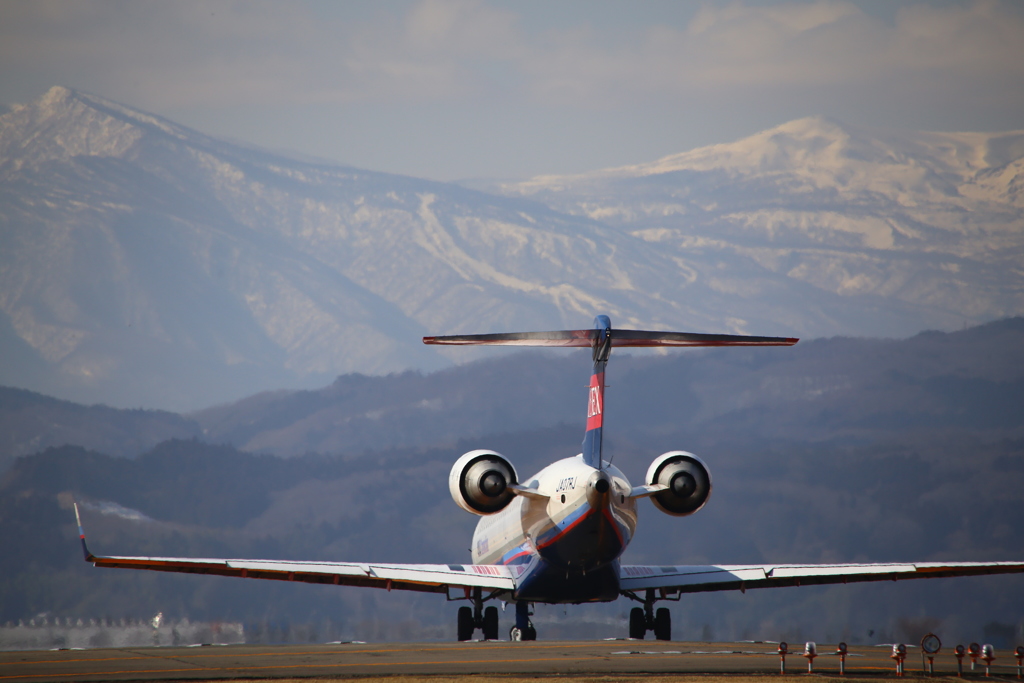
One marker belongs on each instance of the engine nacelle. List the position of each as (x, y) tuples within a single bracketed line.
[(687, 478), (479, 482)]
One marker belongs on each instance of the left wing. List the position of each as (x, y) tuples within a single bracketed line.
[(430, 578), (702, 578)]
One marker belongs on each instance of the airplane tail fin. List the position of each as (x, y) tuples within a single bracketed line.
[(601, 338)]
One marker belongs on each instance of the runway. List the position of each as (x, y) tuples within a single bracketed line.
[(349, 660)]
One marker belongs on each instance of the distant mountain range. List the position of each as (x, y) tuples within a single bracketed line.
[(968, 381), (971, 380), (145, 264)]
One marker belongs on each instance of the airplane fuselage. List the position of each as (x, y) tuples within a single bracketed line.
[(564, 541)]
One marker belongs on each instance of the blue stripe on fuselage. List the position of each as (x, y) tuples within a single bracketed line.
[(560, 528), (521, 554)]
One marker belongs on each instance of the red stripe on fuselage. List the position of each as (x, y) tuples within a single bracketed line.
[(595, 404), (615, 526), (515, 557), (567, 529)]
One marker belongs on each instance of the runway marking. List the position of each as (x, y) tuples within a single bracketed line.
[(173, 658), (288, 666), (223, 653)]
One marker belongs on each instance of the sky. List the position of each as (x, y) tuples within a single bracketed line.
[(464, 89)]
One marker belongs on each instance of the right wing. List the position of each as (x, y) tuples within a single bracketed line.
[(430, 578), (702, 578)]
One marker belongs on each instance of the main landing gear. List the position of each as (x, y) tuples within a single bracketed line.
[(644, 619), (523, 630), (477, 617)]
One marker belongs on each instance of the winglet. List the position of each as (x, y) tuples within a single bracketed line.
[(89, 557)]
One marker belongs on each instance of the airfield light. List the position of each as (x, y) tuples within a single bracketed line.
[(841, 651), (988, 654), (899, 653), (930, 646), (973, 651), (783, 649), (959, 651), (810, 651), (1019, 654)]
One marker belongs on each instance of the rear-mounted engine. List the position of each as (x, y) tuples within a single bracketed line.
[(688, 481), (479, 482)]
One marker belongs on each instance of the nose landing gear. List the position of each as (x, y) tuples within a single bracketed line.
[(646, 618), (477, 617)]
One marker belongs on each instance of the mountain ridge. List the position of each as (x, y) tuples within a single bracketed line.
[(147, 264), (839, 388)]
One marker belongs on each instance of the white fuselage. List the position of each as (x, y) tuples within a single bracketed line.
[(564, 525)]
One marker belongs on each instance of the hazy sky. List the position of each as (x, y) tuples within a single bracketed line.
[(452, 89)]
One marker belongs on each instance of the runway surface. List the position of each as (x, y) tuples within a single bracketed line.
[(345, 660)]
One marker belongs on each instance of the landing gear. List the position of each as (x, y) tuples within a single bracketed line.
[(523, 630), (466, 626), (644, 619), (663, 624), (490, 626), (637, 623), (472, 618)]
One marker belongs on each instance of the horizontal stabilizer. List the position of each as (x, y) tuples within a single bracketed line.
[(645, 338), (586, 338), (557, 338)]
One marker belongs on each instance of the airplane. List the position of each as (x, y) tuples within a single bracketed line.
[(557, 537)]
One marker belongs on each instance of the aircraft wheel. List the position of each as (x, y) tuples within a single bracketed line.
[(530, 633), (663, 624), (637, 623), (515, 635), (490, 623), (466, 626)]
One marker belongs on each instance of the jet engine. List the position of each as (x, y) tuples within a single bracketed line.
[(688, 481), (479, 482)]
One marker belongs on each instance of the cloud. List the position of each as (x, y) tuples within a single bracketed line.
[(165, 54), (227, 52), (794, 45), (460, 53), (107, 507)]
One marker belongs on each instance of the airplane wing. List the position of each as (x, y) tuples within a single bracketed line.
[(702, 578), (430, 578)]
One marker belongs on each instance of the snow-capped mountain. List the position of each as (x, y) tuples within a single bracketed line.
[(930, 221), (145, 264)]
